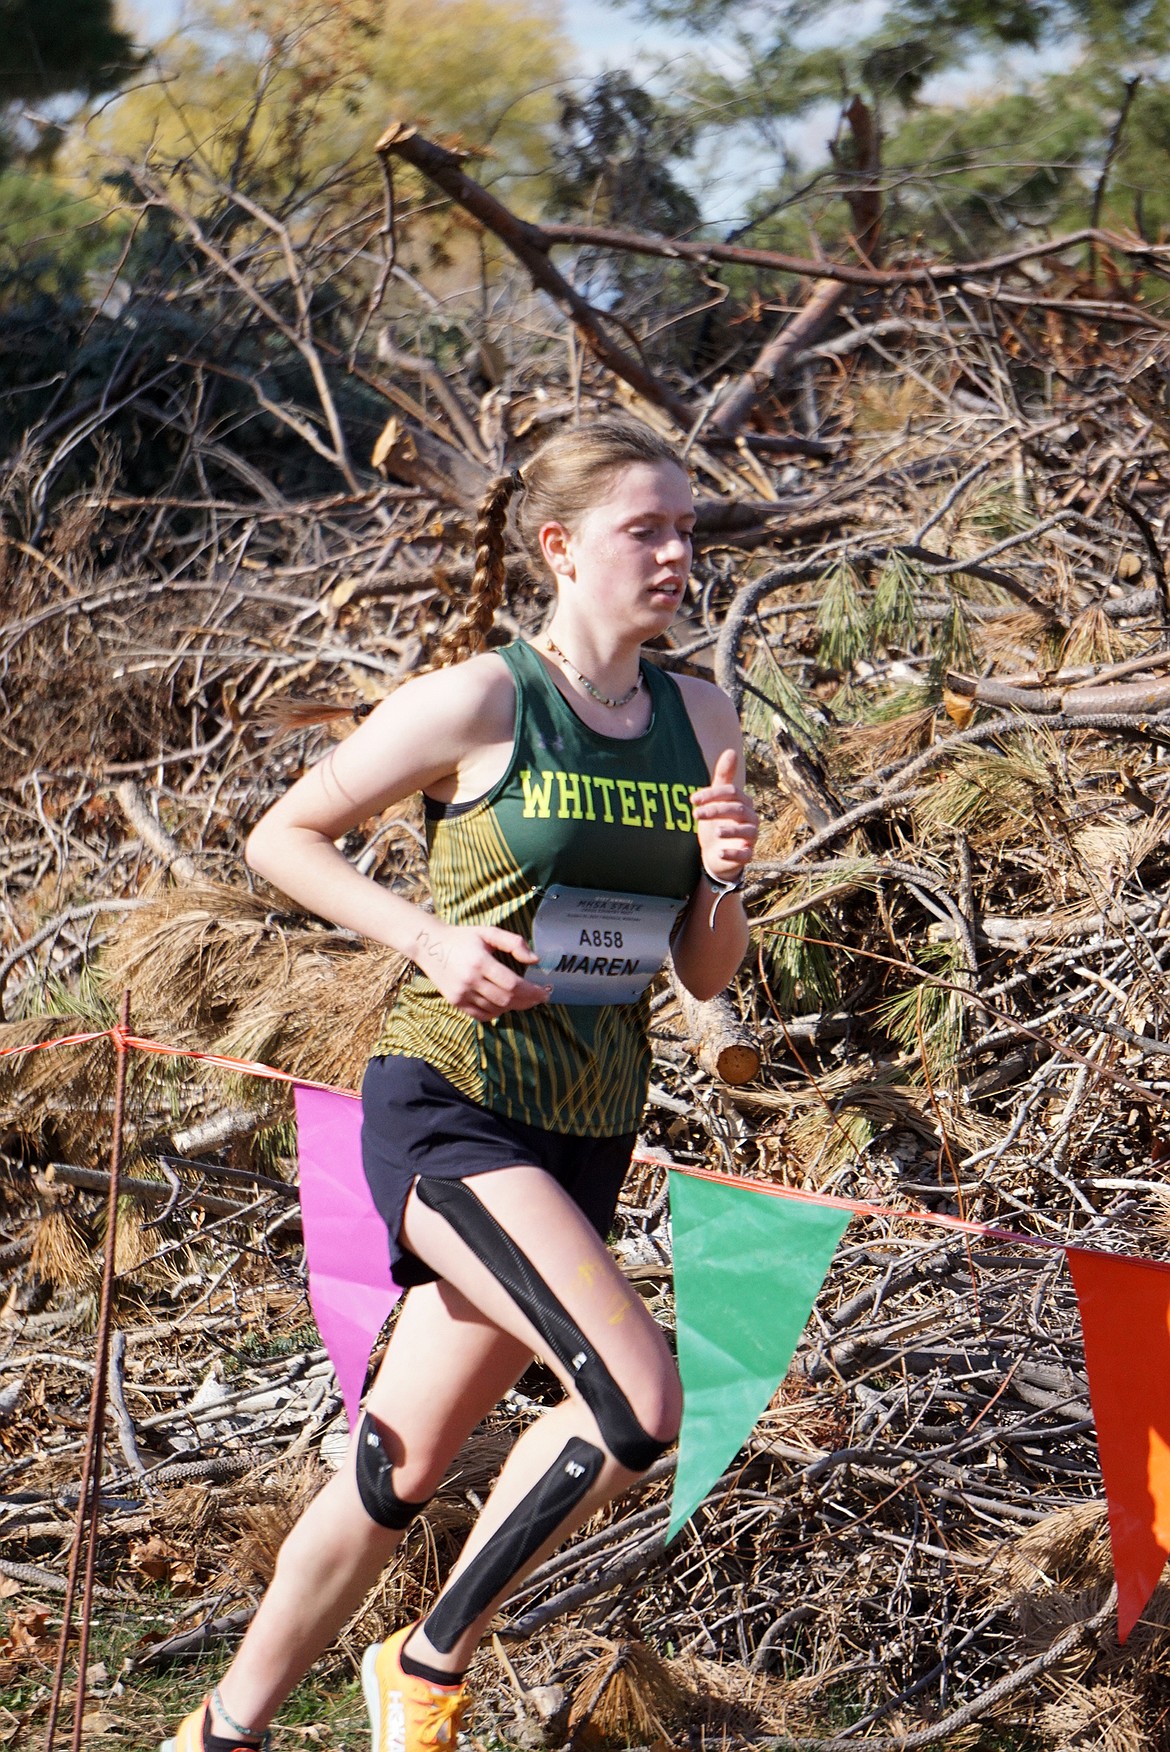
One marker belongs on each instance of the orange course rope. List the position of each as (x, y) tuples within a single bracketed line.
[(860, 1208), (61, 1040), (123, 1040), (251, 1067)]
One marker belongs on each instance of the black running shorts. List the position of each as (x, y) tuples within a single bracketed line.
[(415, 1122)]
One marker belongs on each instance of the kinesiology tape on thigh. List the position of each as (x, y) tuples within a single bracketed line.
[(374, 1481), (621, 1432), (514, 1542)]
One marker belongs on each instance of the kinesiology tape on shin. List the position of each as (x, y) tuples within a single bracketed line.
[(550, 1501), (374, 1475), (620, 1430)]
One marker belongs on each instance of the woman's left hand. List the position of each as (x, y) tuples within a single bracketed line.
[(725, 821)]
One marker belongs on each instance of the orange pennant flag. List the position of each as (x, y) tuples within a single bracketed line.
[(1125, 1318)]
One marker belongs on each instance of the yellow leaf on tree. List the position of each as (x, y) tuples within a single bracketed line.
[(302, 88)]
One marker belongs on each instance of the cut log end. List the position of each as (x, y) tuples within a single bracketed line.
[(718, 1038), (734, 1062)]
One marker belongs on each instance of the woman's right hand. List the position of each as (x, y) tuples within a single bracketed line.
[(462, 961)]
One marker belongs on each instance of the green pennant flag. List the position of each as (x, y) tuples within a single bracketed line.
[(747, 1268)]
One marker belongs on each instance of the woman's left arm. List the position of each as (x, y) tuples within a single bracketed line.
[(713, 938)]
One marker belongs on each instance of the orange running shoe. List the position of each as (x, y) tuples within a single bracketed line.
[(407, 1714), (193, 1734)]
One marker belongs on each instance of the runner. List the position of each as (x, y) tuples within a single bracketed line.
[(586, 820)]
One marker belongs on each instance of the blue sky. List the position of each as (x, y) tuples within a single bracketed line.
[(604, 35), (729, 170)]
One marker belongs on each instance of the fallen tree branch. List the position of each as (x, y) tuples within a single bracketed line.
[(718, 1038), (151, 831), (192, 1641), (530, 245), (116, 1390), (779, 358), (427, 462), (941, 274), (156, 1191), (1077, 701), (71, 916), (35, 1577), (973, 1711)]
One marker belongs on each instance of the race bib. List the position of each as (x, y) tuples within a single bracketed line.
[(600, 948)]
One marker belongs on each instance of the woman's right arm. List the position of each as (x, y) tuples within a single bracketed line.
[(425, 732)]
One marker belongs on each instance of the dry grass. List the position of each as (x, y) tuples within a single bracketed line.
[(50, 1098), (862, 748), (830, 1127), (1095, 1718), (61, 1255), (783, 827), (871, 1554), (1068, 1550), (996, 796), (214, 967), (267, 1514), (1094, 638), (1017, 638), (1102, 1696), (629, 1696)]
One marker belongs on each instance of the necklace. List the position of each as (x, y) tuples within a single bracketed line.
[(594, 693)]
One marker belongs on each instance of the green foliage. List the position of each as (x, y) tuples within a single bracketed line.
[(52, 46), (612, 159), (1029, 157), (82, 1000), (851, 628), (274, 1144), (59, 352), (997, 794), (843, 620), (801, 973), (930, 1018), (258, 1347), (865, 707), (1023, 146), (990, 511), (953, 650), (52, 234), (284, 95), (895, 614), (780, 698), (949, 28)]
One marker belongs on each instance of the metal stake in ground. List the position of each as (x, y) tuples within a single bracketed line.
[(89, 1494)]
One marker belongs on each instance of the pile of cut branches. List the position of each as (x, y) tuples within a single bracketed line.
[(930, 570)]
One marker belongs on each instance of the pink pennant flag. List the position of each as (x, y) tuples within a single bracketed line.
[(350, 1286), (1125, 1318)]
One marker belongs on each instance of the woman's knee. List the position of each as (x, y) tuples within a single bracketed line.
[(660, 1403), (637, 1416), (656, 1390), (394, 1482)]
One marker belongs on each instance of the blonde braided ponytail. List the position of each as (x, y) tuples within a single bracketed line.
[(469, 635), (561, 481)]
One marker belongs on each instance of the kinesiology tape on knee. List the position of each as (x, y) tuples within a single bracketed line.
[(621, 1432), (374, 1481), (517, 1540)]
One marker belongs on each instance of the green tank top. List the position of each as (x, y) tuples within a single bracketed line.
[(574, 809)]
